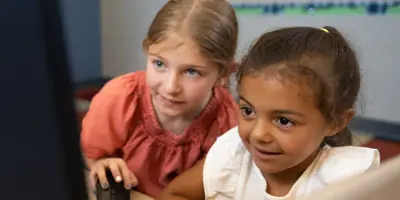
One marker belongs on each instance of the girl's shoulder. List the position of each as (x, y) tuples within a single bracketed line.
[(228, 150), (223, 162), (338, 163), (106, 125), (229, 144), (125, 84)]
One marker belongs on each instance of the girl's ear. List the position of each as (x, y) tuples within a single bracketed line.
[(345, 119), (347, 116), (226, 73), (234, 67)]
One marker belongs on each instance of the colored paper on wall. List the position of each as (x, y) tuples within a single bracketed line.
[(327, 8)]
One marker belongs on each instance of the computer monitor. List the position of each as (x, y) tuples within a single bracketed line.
[(41, 157)]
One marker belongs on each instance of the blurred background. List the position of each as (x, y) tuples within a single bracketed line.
[(105, 37)]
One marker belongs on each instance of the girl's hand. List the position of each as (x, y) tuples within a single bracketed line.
[(119, 170)]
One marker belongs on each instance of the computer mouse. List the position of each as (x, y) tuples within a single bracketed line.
[(116, 191)]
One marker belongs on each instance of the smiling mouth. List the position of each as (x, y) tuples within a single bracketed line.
[(170, 100), (267, 152)]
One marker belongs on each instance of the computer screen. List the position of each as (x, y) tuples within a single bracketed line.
[(41, 157)]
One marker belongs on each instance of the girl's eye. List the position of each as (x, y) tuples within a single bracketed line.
[(158, 64), (246, 111), (192, 72), (284, 122)]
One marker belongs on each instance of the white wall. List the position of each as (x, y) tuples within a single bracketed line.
[(124, 26), (375, 38)]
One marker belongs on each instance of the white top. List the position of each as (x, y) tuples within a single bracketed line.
[(230, 173)]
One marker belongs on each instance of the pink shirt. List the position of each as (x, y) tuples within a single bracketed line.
[(121, 122)]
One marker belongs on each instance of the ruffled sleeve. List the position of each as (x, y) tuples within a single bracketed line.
[(106, 126), (344, 162), (222, 165)]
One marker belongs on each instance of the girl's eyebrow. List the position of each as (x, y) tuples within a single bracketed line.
[(288, 112), (245, 100), (158, 56), (184, 65), (154, 54), (276, 112)]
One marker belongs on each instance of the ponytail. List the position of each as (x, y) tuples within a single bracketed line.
[(348, 75), (343, 138)]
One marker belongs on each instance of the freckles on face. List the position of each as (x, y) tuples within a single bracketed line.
[(279, 119)]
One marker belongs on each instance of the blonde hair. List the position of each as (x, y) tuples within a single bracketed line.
[(211, 24)]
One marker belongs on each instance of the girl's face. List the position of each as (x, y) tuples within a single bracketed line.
[(180, 78), (279, 123)]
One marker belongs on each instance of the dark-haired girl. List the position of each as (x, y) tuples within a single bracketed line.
[(298, 88)]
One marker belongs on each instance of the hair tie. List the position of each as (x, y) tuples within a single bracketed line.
[(324, 29)]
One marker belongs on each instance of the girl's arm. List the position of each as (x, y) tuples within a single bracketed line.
[(88, 162), (187, 186)]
